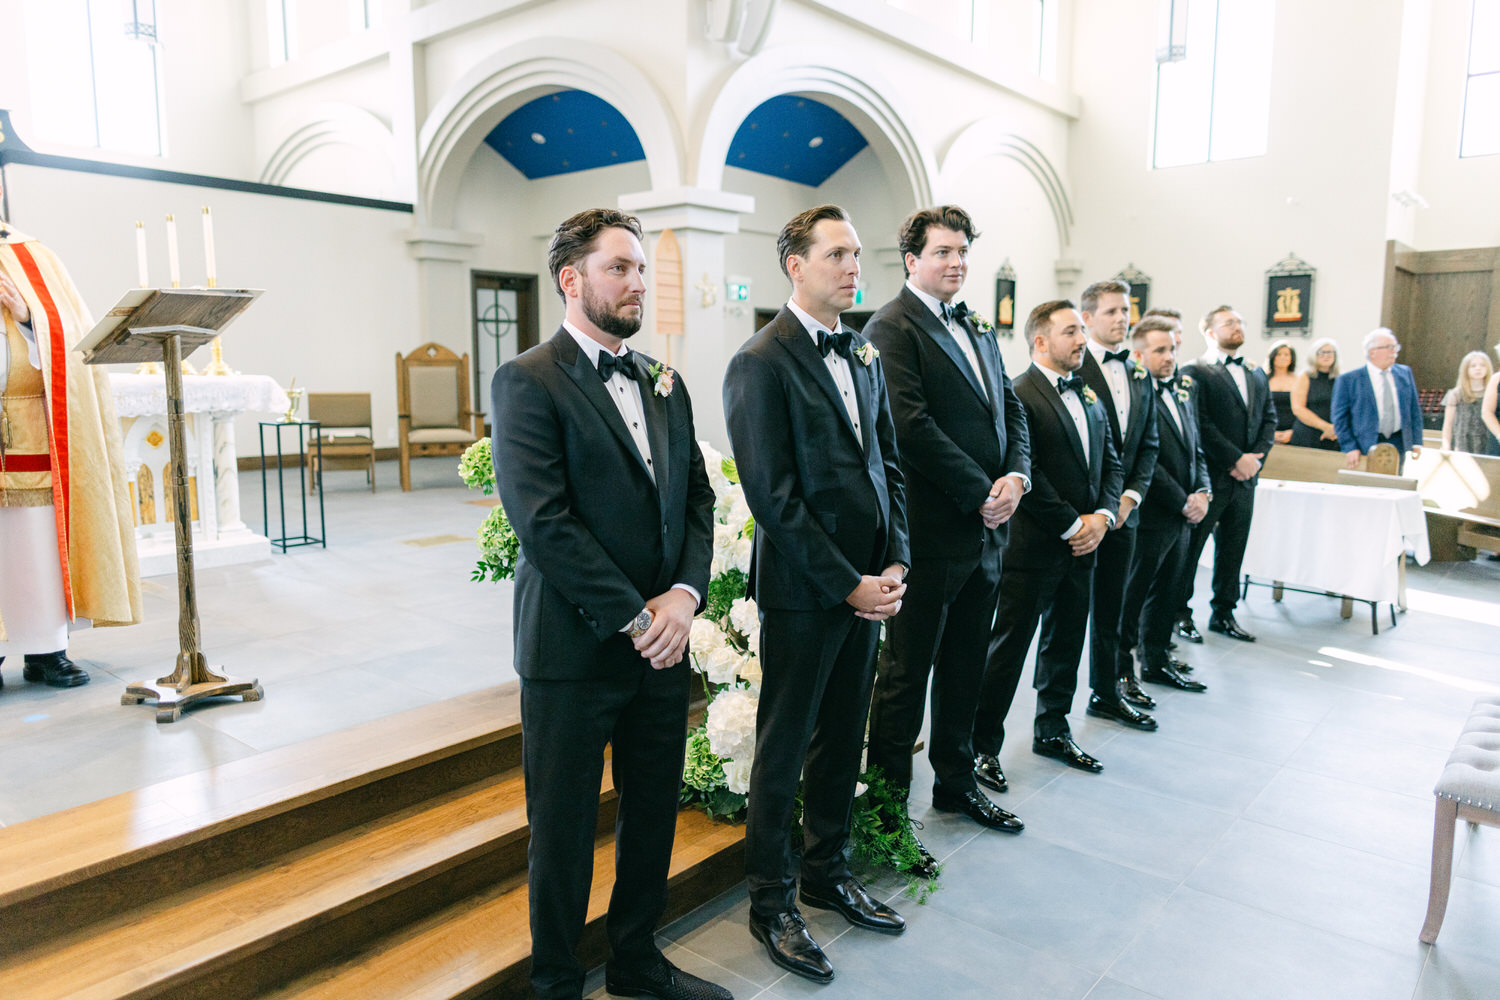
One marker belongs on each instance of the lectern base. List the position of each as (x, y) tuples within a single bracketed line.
[(170, 700)]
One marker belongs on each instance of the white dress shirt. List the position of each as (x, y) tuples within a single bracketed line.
[(1118, 375), (1170, 396), (838, 366), (1214, 356), (1073, 403)]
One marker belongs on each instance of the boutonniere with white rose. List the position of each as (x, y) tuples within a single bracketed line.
[(867, 353), (980, 323), (1183, 385), (662, 379), (1089, 397), (1137, 370)]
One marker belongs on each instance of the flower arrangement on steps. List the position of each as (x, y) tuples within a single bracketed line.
[(722, 650)]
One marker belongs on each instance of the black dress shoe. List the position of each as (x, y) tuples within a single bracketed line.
[(1064, 749), (1226, 625), (895, 819), (1187, 630), (54, 670), (1181, 666), (1121, 711), (1165, 674), (790, 945), (980, 809), (927, 866), (987, 772), (851, 899), (1171, 646), (665, 982), (1130, 690)]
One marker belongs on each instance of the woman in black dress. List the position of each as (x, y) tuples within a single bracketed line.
[(1312, 398), (1281, 371)]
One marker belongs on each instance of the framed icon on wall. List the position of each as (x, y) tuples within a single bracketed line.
[(1140, 291), (1289, 298), (1005, 300)]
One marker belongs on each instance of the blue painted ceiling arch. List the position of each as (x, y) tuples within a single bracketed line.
[(795, 138)]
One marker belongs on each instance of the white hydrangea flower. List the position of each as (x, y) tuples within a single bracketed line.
[(703, 638), (725, 550), (713, 461), (737, 775), (743, 549), (722, 665), (730, 724), (744, 616), (750, 669)]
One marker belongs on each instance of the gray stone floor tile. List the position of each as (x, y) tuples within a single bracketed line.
[(1471, 925), (1336, 888), (1113, 989), (1401, 719), (1389, 824), (1457, 976), (1215, 725), (1205, 948), (1369, 758), (1478, 853), (1199, 775)]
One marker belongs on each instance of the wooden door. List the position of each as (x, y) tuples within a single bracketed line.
[(1442, 304)]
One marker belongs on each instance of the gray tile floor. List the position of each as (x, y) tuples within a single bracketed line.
[(1271, 841)]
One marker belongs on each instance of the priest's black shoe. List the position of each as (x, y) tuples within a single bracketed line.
[(1130, 690), (851, 899), (664, 981), (1170, 677), (1121, 711), (790, 946), (987, 772), (980, 809), (1064, 749), (1226, 625), (54, 670), (1187, 630)]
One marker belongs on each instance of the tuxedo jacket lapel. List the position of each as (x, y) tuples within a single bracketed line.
[(1094, 378), (864, 400), (918, 313), (1098, 427), (657, 428), (794, 338), (572, 359), (1164, 419), (1048, 391)]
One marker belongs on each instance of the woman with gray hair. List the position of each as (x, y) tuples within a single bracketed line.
[(1312, 398)]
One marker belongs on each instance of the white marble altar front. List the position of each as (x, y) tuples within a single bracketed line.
[(210, 404)]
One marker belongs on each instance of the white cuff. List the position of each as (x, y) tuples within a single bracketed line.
[(1073, 528)]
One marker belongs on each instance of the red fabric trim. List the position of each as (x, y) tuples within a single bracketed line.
[(25, 463), (57, 400)]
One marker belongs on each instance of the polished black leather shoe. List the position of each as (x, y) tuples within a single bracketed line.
[(987, 772), (980, 809), (665, 982), (1187, 630), (1226, 625), (1181, 666), (927, 865), (54, 670), (1171, 646), (1130, 690), (1121, 711), (1165, 674), (851, 899), (1064, 749), (790, 946)]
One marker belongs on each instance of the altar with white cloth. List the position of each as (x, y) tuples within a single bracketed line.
[(1336, 539), (210, 404)]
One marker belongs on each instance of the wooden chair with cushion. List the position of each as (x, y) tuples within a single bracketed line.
[(347, 434), (432, 406)]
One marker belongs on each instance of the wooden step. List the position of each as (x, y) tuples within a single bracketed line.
[(482, 945)]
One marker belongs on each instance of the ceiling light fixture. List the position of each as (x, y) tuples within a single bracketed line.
[(538, 138), (815, 142)]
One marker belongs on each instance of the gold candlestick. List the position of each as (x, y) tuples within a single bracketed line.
[(217, 366)]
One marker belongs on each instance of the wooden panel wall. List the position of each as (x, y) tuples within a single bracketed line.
[(1442, 305)]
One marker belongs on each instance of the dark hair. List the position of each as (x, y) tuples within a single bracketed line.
[(1291, 369), (797, 235), (1163, 311), (1150, 323), (575, 236), (912, 239), (1040, 320), (1208, 317), (1090, 297)]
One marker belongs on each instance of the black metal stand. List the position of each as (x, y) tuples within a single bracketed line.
[(287, 541), (1278, 588)]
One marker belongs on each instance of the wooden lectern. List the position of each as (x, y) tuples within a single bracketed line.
[(166, 325)]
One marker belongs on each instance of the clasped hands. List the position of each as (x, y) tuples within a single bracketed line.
[(878, 597), (1196, 508), (1091, 531), (671, 620), (1004, 498), (1247, 466)]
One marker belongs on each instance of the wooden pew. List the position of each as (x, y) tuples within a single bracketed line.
[(1462, 495)]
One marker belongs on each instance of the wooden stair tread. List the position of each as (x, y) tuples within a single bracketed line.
[(216, 922), (474, 940), (61, 849)]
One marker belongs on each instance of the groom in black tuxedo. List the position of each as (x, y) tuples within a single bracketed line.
[(805, 402), (966, 460), (600, 474), (1049, 564)]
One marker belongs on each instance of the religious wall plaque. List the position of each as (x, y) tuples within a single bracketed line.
[(1289, 298), (1005, 300), (1140, 291)]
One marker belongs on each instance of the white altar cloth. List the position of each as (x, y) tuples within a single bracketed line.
[(210, 404), (1341, 539)]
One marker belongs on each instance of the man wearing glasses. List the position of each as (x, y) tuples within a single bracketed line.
[(1378, 403)]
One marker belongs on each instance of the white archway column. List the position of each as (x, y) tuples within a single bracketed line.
[(700, 219), (444, 313)]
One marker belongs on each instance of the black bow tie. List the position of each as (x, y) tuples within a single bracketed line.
[(1074, 382), (955, 311), (843, 342), (1120, 356), (1234, 361), (610, 364), (1167, 384)]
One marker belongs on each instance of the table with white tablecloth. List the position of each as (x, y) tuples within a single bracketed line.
[(1336, 539)]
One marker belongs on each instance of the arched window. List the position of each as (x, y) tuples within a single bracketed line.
[(1481, 128)]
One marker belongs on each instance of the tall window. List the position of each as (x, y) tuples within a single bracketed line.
[(1214, 103), (95, 76), (364, 13), (1481, 128), (281, 30)]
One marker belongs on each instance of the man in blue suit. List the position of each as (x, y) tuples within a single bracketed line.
[(1378, 403)]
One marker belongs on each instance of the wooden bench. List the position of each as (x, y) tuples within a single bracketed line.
[(1469, 789), (1462, 494)]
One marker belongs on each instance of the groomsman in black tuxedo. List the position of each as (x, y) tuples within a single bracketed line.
[(1178, 499), (965, 457), (1237, 419), (1122, 385), (810, 424), (1049, 563), (600, 474)]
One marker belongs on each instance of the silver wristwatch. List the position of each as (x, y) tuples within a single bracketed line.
[(638, 627)]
